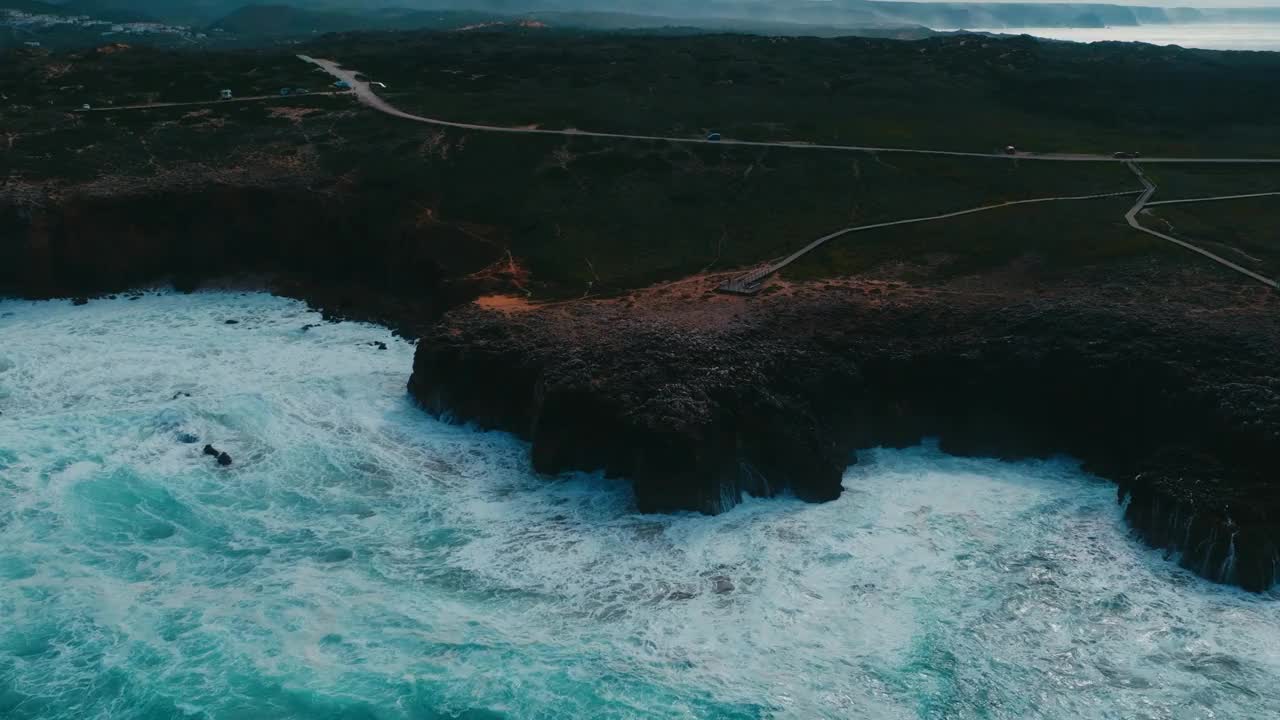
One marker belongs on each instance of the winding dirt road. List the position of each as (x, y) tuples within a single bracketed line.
[(1132, 218), (750, 282), (370, 98)]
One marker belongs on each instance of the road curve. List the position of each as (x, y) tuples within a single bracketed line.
[(746, 283), (370, 98), (1132, 218)]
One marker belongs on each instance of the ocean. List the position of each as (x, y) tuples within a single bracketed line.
[(359, 559), (1207, 36)]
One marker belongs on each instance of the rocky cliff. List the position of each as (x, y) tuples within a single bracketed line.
[(347, 252), (698, 399), (1166, 384)]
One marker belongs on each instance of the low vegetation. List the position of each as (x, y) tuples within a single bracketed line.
[(962, 92), (582, 215), (1245, 231)]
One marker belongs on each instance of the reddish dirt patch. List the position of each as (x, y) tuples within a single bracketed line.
[(505, 303)]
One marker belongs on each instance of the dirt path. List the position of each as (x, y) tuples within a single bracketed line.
[(1132, 218), (370, 98), (750, 283), (1215, 197), (247, 98)]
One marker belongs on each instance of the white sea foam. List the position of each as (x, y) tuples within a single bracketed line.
[(359, 559)]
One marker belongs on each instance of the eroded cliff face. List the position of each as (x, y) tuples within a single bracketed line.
[(348, 252), (1172, 390), (696, 404)]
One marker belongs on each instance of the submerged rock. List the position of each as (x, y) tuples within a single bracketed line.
[(721, 584)]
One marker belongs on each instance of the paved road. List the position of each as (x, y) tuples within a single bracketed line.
[(247, 98), (749, 283), (1132, 218), (370, 98), (1216, 197)]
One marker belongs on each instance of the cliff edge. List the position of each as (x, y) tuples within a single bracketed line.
[(1171, 391)]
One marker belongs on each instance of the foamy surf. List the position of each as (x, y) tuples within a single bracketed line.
[(359, 559)]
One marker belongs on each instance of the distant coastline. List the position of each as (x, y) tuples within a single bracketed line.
[(1204, 36)]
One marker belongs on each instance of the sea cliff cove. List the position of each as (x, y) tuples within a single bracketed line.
[(362, 559), (774, 360)]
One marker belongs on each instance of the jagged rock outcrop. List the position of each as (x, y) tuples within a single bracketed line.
[(1179, 406)]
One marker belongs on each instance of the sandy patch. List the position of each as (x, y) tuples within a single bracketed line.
[(505, 303)]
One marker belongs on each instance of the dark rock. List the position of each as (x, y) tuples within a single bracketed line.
[(695, 417), (721, 584), (181, 394), (188, 438), (80, 301), (681, 595), (232, 322), (379, 345), (308, 326), (223, 458)]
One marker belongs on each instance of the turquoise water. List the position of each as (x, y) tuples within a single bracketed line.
[(360, 560)]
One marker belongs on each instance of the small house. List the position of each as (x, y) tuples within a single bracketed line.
[(226, 94)]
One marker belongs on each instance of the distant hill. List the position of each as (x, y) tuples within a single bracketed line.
[(276, 20), (32, 6)]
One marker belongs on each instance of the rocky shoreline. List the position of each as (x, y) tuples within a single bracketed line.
[(1180, 407), (1167, 384)]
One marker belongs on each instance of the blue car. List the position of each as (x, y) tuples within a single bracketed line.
[(713, 137)]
